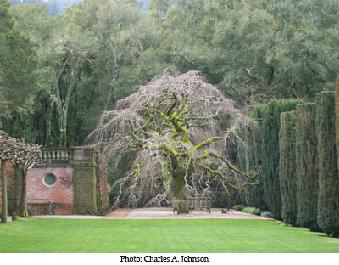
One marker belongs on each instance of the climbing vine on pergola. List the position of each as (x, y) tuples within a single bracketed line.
[(22, 156)]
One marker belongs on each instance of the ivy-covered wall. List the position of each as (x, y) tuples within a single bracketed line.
[(91, 192), (102, 186), (85, 186), (85, 190)]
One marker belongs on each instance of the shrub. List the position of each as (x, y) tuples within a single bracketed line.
[(251, 210), (238, 207), (266, 214)]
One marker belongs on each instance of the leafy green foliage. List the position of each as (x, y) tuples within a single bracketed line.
[(17, 61), (253, 49), (66, 69)]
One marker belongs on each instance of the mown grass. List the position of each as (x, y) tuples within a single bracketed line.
[(159, 235)]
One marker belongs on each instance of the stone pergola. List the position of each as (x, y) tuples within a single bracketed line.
[(21, 156)]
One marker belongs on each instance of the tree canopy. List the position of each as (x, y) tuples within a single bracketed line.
[(66, 69)]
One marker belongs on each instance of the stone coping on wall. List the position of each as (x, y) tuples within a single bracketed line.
[(78, 155)]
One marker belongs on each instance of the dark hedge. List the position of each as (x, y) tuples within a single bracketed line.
[(306, 166), (328, 202), (269, 117), (287, 166)]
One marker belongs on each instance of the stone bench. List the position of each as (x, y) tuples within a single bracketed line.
[(193, 203)]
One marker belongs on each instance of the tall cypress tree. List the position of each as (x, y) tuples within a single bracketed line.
[(337, 103), (328, 202), (269, 117), (306, 166), (287, 168)]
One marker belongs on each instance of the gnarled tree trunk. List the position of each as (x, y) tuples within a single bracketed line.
[(178, 185)]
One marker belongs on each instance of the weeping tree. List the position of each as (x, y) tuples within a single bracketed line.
[(22, 156), (178, 134), (249, 158)]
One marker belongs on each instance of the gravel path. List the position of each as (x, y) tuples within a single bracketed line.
[(119, 213), (168, 213), (124, 213)]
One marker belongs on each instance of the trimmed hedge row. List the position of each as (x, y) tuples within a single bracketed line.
[(297, 154), (268, 116), (316, 192)]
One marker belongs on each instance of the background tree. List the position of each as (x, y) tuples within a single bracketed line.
[(17, 60), (253, 50)]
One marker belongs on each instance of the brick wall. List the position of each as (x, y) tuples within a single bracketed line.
[(78, 188), (61, 193)]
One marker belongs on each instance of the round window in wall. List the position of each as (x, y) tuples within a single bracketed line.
[(49, 179)]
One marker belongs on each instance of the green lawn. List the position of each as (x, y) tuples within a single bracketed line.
[(159, 235)]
